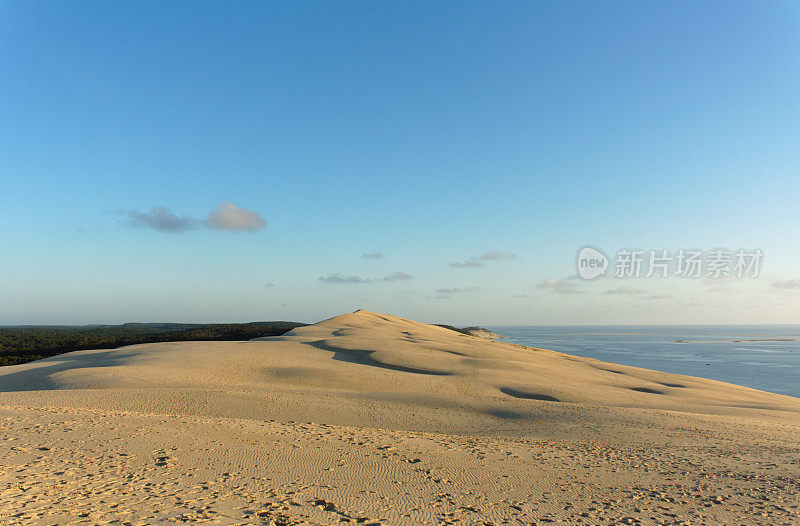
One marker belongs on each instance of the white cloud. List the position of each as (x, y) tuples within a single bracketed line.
[(230, 217)]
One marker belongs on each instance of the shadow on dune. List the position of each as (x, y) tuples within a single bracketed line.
[(507, 414), (364, 357), (646, 390), (37, 376), (527, 395)]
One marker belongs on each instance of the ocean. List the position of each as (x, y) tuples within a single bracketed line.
[(765, 357)]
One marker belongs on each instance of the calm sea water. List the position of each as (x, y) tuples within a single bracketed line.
[(770, 360)]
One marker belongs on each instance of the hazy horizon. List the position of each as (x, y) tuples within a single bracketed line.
[(485, 325)]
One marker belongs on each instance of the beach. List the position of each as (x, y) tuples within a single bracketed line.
[(370, 418)]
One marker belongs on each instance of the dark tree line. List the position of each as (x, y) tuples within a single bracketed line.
[(25, 344), (463, 330)]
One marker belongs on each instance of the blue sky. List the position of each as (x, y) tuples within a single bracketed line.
[(429, 132)]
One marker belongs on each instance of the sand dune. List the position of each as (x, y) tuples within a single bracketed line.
[(369, 418)]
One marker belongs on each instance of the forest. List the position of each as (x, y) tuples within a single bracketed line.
[(20, 344)]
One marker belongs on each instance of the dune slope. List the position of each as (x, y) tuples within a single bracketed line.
[(376, 417)]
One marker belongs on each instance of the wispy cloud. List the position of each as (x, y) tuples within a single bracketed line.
[(786, 284), (468, 263), (227, 216), (560, 286), (338, 277), (373, 255), (162, 219), (456, 291), (624, 289), (477, 261), (398, 276), (497, 255)]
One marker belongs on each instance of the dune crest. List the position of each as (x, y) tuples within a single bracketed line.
[(410, 375)]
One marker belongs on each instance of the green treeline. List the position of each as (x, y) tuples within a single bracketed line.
[(25, 344), (463, 330)]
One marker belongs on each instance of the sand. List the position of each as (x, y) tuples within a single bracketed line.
[(369, 418)]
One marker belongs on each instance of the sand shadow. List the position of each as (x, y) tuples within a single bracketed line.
[(36, 375), (528, 396), (507, 414), (646, 390), (364, 357)]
